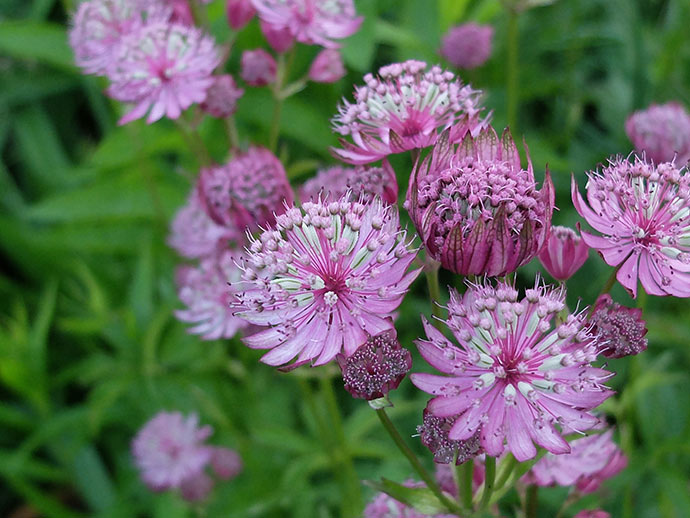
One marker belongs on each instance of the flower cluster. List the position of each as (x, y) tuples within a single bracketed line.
[(171, 453), (433, 433), (621, 330), (318, 23), (324, 280), (477, 211), (403, 108), (467, 45), (222, 96), (642, 210), (661, 132), (154, 59), (515, 376), (362, 182)]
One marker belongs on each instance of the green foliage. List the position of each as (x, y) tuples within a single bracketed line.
[(89, 347)]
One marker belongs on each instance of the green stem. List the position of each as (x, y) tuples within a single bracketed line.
[(531, 501), (414, 461), (352, 493), (512, 71), (232, 133), (466, 479), (504, 471), (489, 479), (607, 286), (194, 142), (431, 272)]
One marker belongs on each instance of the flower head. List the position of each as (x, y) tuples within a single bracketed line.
[(239, 13), (193, 234), (222, 96), (363, 182), (324, 280), (477, 211), (279, 38), (376, 367), (311, 22), (621, 330), (99, 26), (403, 108), (564, 253), (226, 463), (661, 132), (162, 69), (434, 435), (170, 449), (258, 67), (592, 460), (247, 191), (327, 67), (642, 210), (515, 375), (467, 45), (204, 290)]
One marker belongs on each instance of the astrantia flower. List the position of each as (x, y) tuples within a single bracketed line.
[(661, 132), (592, 460), (222, 96), (162, 69), (564, 253), (434, 435), (324, 280), (477, 211), (258, 67), (170, 449), (467, 45), (643, 211), (194, 234), (98, 27), (403, 108), (363, 182), (311, 21), (239, 13), (205, 292), (247, 191), (516, 374), (621, 330), (376, 367), (327, 67)]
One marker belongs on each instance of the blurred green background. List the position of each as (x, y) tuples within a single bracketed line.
[(90, 350)]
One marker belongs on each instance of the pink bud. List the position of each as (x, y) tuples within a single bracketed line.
[(258, 67), (196, 488), (563, 254), (222, 96), (280, 39), (327, 67), (239, 13), (226, 463), (181, 13)]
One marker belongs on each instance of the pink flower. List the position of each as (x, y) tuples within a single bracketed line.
[(433, 433), (193, 234), (642, 210), (258, 67), (404, 108), (467, 45), (564, 253), (279, 38), (239, 13), (99, 26), (324, 280), (170, 449), (311, 21), (592, 460), (204, 290), (164, 68), (327, 67), (247, 191), (661, 132), (516, 373), (592, 513), (621, 330), (181, 12), (385, 506), (376, 367), (196, 489), (226, 463), (363, 182), (477, 211), (222, 96)]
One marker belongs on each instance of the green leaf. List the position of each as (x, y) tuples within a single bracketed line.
[(450, 12), (38, 41), (420, 498), (92, 479)]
